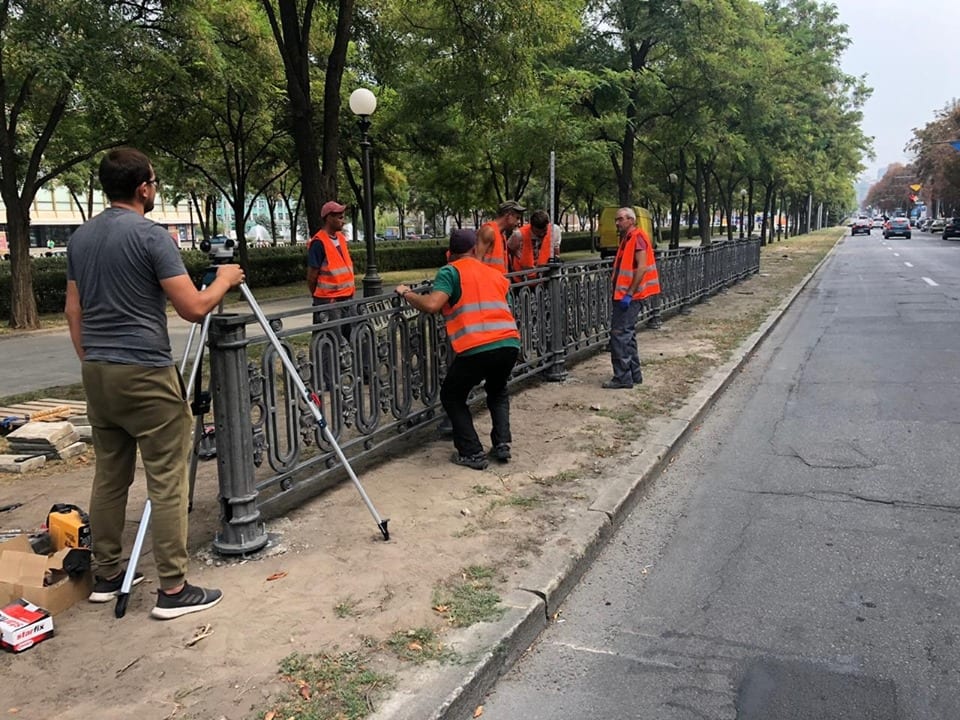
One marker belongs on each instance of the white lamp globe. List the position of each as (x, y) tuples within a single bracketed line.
[(362, 102)]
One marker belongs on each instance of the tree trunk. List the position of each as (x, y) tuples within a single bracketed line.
[(703, 210), (23, 304), (333, 79), (293, 45)]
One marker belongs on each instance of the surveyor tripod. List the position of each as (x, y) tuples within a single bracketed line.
[(201, 405)]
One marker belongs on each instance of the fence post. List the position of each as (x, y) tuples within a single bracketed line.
[(558, 324), (241, 530)]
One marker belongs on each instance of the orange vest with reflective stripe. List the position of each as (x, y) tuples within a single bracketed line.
[(623, 268), (526, 259), (336, 274), (481, 315), (496, 256)]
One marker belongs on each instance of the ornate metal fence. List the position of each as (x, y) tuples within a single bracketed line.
[(377, 365)]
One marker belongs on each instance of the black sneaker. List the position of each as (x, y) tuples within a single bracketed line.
[(477, 462), (501, 452), (106, 590), (616, 385), (190, 599)]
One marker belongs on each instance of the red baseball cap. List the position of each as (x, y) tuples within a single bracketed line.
[(331, 206)]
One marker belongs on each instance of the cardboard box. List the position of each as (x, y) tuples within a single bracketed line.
[(22, 574), (23, 625)]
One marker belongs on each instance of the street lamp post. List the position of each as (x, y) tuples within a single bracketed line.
[(743, 208), (672, 178), (362, 104)]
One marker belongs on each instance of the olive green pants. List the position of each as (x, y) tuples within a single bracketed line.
[(133, 406)]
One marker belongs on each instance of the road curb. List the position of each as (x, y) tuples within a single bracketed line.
[(490, 649)]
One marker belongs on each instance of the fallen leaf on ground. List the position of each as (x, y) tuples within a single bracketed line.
[(270, 715), (277, 575), (441, 608), (415, 646), (478, 712)]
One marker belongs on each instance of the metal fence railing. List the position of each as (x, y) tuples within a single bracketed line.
[(377, 368)]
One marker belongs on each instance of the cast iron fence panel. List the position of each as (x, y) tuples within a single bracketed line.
[(377, 366)]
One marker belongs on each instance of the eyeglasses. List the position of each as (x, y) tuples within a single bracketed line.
[(155, 182)]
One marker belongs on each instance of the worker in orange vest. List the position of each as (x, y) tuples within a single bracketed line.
[(635, 279), (483, 332), (492, 236), (329, 267), (534, 244)]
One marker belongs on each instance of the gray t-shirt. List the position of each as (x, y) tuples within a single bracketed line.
[(118, 259)]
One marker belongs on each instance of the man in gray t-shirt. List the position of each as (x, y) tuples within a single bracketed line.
[(121, 270)]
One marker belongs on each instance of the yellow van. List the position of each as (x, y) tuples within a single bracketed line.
[(608, 240)]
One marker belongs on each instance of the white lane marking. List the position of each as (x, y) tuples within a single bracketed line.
[(908, 264), (930, 282), (896, 254)]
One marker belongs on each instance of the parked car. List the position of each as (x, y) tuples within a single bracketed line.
[(860, 226), (897, 226), (951, 228), (924, 224), (878, 223), (937, 225)]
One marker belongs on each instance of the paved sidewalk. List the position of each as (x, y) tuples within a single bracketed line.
[(45, 358)]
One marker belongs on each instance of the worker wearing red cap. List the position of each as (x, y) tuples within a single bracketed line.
[(329, 267)]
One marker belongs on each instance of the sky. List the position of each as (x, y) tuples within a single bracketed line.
[(910, 54)]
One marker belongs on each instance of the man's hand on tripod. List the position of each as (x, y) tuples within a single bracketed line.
[(232, 273)]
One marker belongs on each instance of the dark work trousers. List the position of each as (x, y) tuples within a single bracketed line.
[(492, 367), (132, 408), (623, 343)]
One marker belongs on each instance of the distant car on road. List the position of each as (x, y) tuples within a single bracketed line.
[(897, 226), (937, 225), (878, 223), (861, 226), (951, 228)]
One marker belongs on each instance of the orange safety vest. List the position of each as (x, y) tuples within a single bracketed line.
[(481, 316), (336, 274), (496, 257), (623, 268), (526, 259)]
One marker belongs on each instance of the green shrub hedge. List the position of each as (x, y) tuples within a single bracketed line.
[(267, 266)]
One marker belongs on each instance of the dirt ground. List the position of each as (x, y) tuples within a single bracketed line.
[(338, 586)]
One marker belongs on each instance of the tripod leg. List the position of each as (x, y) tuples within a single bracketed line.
[(195, 458), (124, 595), (313, 401)]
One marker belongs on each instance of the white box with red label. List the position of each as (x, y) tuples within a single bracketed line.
[(23, 625)]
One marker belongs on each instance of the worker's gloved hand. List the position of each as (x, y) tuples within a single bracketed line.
[(625, 301)]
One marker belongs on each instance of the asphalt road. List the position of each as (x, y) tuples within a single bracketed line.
[(45, 358), (799, 557)]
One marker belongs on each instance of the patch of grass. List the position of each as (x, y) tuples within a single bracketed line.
[(326, 686), (481, 490), (523, 502), (346, 608), (60, 392), (467, 531), (420, 646), (561, 478), (470, 598)]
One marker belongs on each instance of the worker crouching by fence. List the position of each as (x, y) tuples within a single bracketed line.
[(483, 332)]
